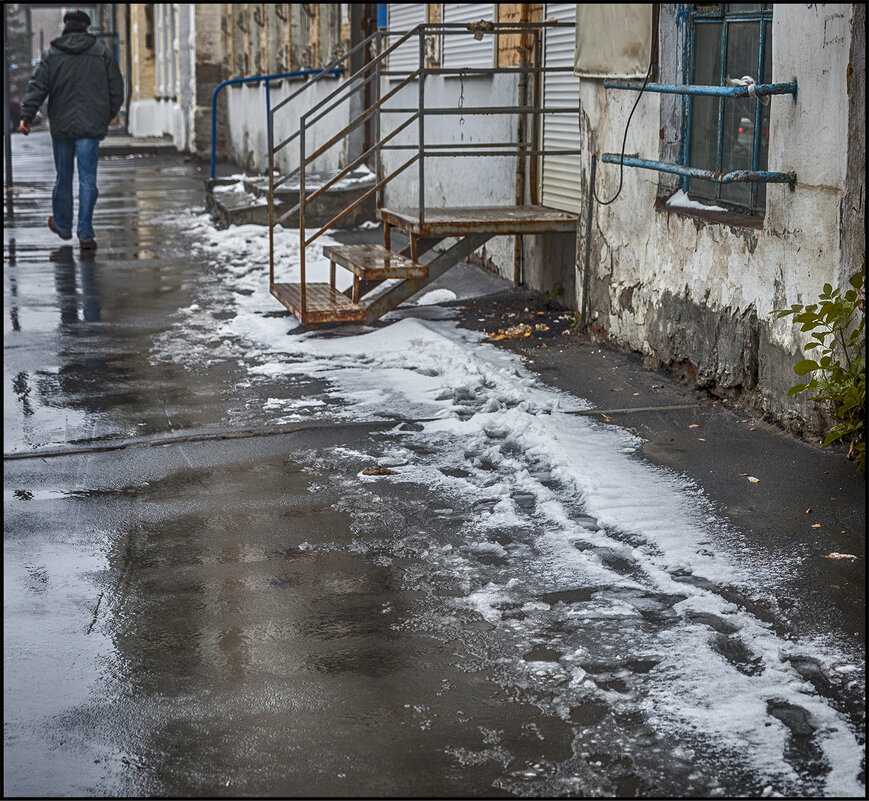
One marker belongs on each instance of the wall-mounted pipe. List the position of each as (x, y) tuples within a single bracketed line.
[(756, 90), (734, 177)]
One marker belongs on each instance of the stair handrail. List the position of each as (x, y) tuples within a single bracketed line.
[(349, 86), (352, 86)]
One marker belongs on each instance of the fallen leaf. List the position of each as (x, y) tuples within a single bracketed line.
[(752, 479), (543, 345), (835, 555), (378, 470), (816, 525), (694, 425), (606, 417), (616, 389), (809, 510), (700, 439), (635, 394)]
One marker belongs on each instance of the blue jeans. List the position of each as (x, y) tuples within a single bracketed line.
[(86, 152)]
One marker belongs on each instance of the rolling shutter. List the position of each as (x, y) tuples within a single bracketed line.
[(560, 173), (464, 50), (402, 18)]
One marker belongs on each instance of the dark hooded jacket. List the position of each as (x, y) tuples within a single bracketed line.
[(83, 84)]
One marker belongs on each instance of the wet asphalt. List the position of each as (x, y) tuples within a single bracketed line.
[(235, 617)]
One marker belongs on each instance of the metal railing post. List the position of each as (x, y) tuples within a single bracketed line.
[(302, 214), (378, 163), (271, 141), (421, 124)]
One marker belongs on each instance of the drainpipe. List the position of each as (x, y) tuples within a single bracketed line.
[(521, 138), (129, 45), (584, 313), (7, 134)]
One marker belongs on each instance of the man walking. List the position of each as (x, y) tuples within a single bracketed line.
[(85, 92)]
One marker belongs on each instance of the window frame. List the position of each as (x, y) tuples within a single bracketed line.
[(721, 14)]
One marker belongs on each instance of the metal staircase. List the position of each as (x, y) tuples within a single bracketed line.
[(383, 276)]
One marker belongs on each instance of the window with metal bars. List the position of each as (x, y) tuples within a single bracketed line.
[(729, 41)]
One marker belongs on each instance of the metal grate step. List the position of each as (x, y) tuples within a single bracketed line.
[(323, 303), (374, 262)]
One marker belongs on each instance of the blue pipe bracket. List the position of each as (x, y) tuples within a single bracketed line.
[(734, 177), (255, 79)]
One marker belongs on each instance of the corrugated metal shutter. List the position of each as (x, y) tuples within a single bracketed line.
[(464, 50), (402, 18), (560, 174)]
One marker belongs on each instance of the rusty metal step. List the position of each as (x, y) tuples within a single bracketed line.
[(323, 303), (374, 262), (459, 221)]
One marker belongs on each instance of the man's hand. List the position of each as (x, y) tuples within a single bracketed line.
[(24, 127)]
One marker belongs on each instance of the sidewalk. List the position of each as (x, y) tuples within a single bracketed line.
[(684, 429), (808, 502), (242, 558)]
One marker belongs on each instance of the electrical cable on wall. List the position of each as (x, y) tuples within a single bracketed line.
[(625, 138)]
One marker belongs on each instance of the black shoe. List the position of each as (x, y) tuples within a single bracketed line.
[(56, 230), (88, 244)]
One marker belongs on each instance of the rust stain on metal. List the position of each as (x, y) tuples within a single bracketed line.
[(323, 303), (373, 262)]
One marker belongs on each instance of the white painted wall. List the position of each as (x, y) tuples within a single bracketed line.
[(160, 118), (145, 118), (468, 181), (245, 121)]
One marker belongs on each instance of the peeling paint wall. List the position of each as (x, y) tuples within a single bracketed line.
[(697, 294)]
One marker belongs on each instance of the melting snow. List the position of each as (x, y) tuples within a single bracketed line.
[(646, 543), (680, 200)]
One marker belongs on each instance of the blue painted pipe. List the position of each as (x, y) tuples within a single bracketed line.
[(760, 90), (254, 79), (734, 177)]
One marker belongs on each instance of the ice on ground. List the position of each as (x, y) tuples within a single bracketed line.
[(436, 296)]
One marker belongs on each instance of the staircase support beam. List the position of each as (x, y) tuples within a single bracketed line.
[(377, 307)]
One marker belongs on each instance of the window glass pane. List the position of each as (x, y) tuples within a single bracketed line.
[(704, 118), (743, 8), (763, 160), (738, 134)]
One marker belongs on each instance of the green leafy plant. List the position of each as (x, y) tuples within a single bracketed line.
[(838, 370), (556, 292), (576, 323)]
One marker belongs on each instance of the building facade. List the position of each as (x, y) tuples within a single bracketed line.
[(686, 271), (682, 270), (175, 66), (181, 52)]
